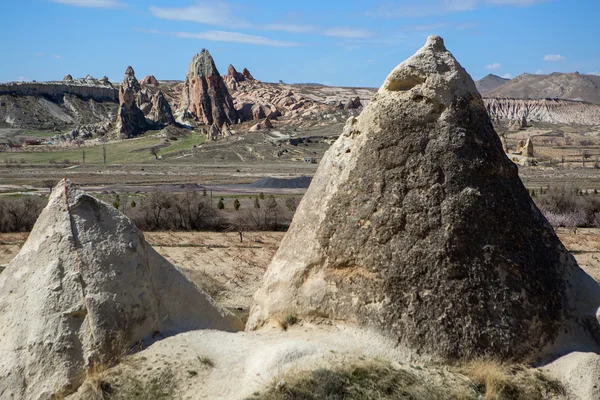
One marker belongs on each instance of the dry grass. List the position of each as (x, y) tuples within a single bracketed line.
[(361, 380), (500, 381), (287, 321)]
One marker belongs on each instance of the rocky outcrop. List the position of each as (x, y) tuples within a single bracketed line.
[(161, 112), (233, 75), (553, 111), (247, 75), (68, 77), (81, 88), (353, 104), (149, 80), (416, 224), (205, 95), (82, 291), (525, 148), (261, 126), (131, 121)]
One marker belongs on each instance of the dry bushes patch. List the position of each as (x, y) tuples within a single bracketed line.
[(499, 381), (360, 380)]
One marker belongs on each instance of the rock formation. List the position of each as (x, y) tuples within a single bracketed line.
[(130, 119), (232, 74), (161, 110), (149, 80), (247, 75), (353, 104), (525, 148), (416, 224), (84, 288), (552, 111), (205, 94), (261, 126), (68, 77)]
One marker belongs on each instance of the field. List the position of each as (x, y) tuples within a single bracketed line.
[(231, 271)]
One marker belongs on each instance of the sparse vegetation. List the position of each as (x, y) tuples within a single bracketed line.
[(206, 361), (361, 380), (498, 381), (288, 320)]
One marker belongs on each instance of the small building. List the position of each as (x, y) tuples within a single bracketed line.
[(32, 142), (310, 160)]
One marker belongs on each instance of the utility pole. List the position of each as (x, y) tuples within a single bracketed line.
[(83, 156), (104, 152)]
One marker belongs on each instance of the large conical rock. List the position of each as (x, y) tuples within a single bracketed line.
[(417, 224), (130, 119), (205, 94), (84, 288)]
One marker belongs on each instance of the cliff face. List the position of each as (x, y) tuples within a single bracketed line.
[(95, 92), (552, 111)]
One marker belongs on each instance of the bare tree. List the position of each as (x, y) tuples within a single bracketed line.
[(49, 184), (154, 150)]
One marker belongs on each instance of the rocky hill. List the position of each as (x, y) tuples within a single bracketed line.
[(489, 82), (573, 86), (553, 111)]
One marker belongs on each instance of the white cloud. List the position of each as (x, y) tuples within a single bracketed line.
[(594, 73), (539, 72), (222, 14), (493, 66), (21, 79), (350, 33), (92, 3), (369, 61), (291, 28), (217, 13), (56, 56), (507, 76), (553, 57), (426, 8), (223, 36), (144, 30)]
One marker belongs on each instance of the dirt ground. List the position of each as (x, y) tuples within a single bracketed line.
[(228, 270), (231, 271)]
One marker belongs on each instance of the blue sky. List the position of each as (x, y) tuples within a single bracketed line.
[(337, 42)]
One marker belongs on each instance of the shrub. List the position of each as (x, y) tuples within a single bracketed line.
[(220, 204), (236, 204)]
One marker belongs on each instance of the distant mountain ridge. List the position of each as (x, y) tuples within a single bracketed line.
[(489, 83), (566, 86)]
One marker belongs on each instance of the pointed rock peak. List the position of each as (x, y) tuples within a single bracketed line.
[(149, 80), (247, 74), (431, 73), (202, 65), (129, 71), (89, 285), (386, 235), (435, 43), (231, 71)]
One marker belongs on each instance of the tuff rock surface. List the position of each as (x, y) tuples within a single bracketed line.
[(205, 94), (160, 111), (131, 121), (82, 291), (149, 80), (417, 225)]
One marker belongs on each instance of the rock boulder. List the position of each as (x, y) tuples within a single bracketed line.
[(417, 225), (82, 291)]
